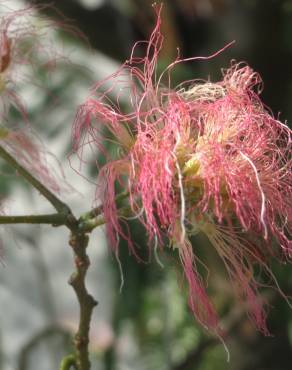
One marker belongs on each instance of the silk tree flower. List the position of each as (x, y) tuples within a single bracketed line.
[(207, 157), (26, 46)]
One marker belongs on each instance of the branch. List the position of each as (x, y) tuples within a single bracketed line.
[(231, 323), (52, 198), (55, 219), (192, 361), (79, 242), (45, 334)]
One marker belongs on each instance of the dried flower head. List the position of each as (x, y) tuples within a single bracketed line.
[(207, 158)]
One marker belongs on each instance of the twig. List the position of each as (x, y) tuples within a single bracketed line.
[(54, 219), (94, 218), (87, 225), (90, 224), (192, 361), (52, 198), (231, 324), (44, 334), (95, 212), (79, 242)]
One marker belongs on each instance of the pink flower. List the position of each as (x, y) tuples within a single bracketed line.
[(27, 44), (207, 157), (16, 31), (26, 47)]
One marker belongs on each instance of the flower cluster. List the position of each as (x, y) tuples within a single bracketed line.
[(205, 157)]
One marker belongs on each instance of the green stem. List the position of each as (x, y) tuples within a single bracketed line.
[(55, 219), (52, 198), (99, 210), (68, 362), (88, 224)]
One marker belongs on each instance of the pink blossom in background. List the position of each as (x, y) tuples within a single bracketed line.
[(18, 43), (203, 158), (27, 47)]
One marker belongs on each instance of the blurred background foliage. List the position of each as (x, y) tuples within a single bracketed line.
[(149, 325)]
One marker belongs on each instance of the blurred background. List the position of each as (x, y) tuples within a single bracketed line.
[(148, 324)]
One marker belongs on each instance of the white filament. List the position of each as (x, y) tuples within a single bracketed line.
[(263, 207)]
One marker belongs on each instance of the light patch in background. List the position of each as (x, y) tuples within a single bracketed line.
[(92, 4)]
